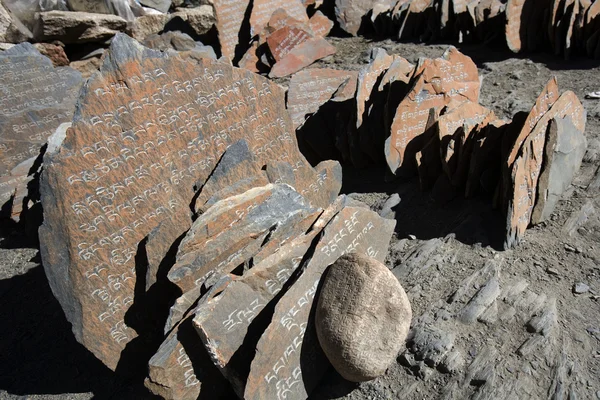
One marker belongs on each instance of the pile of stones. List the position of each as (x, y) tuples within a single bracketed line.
[(425, 120)]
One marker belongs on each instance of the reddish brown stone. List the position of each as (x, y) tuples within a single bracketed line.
[(149, 127), (515, 37), (438, 82), (230, 16), (284, 40), (262, 11), (527, 166), (302, 56), (320, 24), (311, 88), (250, 60), (54, 53)]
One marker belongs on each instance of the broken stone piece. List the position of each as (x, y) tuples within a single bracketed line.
[(262, 11), (302, 56), (77, 27), (362, 317), (320, 24)]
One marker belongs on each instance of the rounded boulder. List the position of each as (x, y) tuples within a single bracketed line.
[(362, 318)]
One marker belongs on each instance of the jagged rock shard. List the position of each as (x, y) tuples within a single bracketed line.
[(263, 9), (283, 40), (230, 16), (232, 231), (289, 362), (320, 24), (515, 18), (181, 369), (237, 164), (542, 104), (36, 99), (527, 166), (350, 13), (438, 82), (311, 88), (147, 127), (368, 137), (302, 55), (564, 151)]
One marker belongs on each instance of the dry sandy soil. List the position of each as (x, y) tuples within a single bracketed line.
[(537, 340)]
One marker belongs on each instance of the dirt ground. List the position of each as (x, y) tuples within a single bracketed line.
[(538, 339)]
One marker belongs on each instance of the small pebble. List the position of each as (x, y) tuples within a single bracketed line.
[(580, 288), (552, 271)]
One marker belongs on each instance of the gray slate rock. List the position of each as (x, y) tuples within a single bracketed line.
[(580, 288), (363, 316), (160, 5), (77, 27), (563, 154)]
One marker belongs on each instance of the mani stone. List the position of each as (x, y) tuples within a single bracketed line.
[(437, 82), (289, 362), (36, 99), (148, 127), (311, 88), (77, 27), (563, 154), (527, 167), (350, 14), (230, 16), (301, 56), (262, 10), (320, 24), (362, 317)]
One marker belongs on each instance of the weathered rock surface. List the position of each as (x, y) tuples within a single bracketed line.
[(160, 5), (438, 81), (77, 27), (263, 9), (36, 99), (320, 24), (200, 20), (53, 52), (289, 360), (350, 13), (362, 317), (148, 127), (563, 154), (230, 16), (301, 55), (528, 164), (178, 41)]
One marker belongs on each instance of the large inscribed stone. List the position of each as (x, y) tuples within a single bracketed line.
[(147, 128)]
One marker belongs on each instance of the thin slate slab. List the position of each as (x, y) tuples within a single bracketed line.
[(350, 14), (147, 127), (563, 154), (311, 88), (289, 362), (283, 40), (526, 168), (438, 81), (263, 9), (320, 24), (230, 16), (302, 56), (36, 98)]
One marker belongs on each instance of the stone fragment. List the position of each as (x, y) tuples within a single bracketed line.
[(230, 15), (369, 136), (250, 60), (289, 360), (311, 88), (160, 5), (77, 27), (176, 41), (232, 231), (181, 369), (148, 128), (128, 10), (200, 20), (438, 81), (53, 52), (36, 99), (350, 14), (87, 67), (362, 317), (237, 164), (563, 154), (262, 11), (526, 168), (320, 24), (580, 288), (302, 56), (285, 39)]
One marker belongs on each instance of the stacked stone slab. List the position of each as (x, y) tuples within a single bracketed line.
[(425, 120), (524, 25)]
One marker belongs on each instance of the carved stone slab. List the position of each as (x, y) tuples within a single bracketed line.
[(35, 99), (146, 129), (563, 154), (302, 56), (283, 40), (350, 13), (230, 16), (289, 361), (320, 24), (311, 88), (263, 9), (232, 231), (454, 76), (526, 168)]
